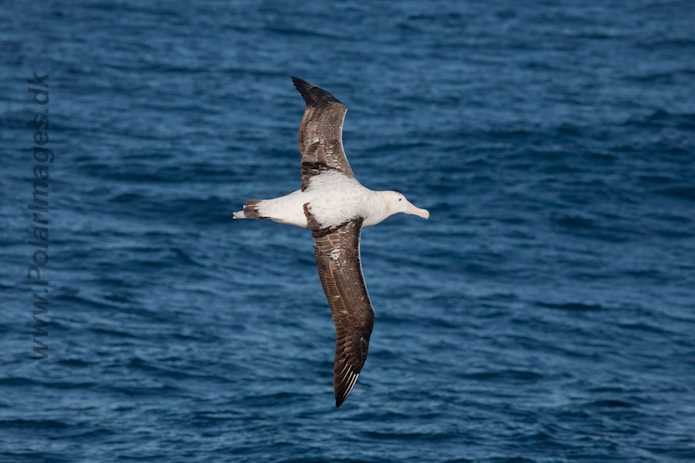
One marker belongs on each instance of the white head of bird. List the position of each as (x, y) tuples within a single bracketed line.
[(395, 202)]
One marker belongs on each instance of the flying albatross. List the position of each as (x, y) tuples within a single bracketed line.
[(335, 207)]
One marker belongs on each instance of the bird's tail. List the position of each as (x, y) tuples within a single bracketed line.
[(251, 210)]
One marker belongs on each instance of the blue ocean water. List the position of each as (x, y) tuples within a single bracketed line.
[(544, 313)]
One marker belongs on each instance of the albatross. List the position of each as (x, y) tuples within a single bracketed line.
[(335, 207)]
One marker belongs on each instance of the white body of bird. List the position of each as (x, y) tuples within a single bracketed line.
[(334, 197)]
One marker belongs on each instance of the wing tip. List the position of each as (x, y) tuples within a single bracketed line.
[(313, 94), (346, 387), (304, 87)]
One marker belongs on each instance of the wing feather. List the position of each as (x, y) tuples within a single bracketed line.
[(340, 272), (321, 132)]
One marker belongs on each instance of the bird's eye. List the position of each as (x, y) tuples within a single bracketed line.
[(400, 199)]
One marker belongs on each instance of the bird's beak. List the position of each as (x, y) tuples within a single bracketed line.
[(410, 209)]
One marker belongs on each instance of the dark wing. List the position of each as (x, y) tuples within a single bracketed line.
[(340, 271), (321, 132)]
